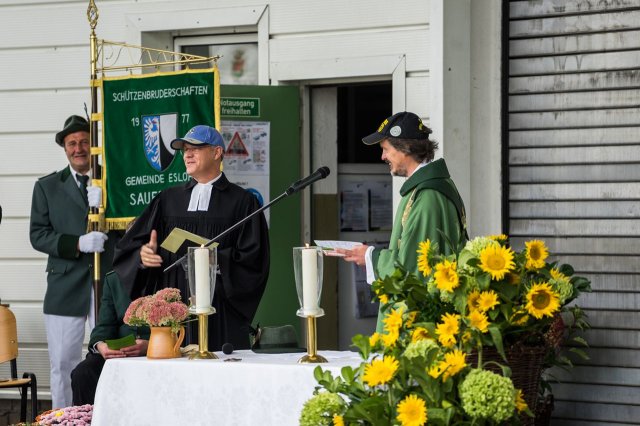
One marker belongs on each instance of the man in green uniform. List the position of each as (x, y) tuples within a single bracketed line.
[(430, 208)]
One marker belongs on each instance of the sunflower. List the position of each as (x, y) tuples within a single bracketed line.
[(455, 361), (557, 275), (447, 329), (497, 261), (437, 369), (472, 300), (412, 411), (374, 339), (384, 299), (419, 333), (479, 320), (542, 300), (411, 317), (446, 276), (487, 300), (501, 238), (521, 404), (380, 371), (424, 250), (536, 253), (393, 320), (390, 338)]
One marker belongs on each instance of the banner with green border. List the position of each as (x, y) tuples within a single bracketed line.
[(142, 114)]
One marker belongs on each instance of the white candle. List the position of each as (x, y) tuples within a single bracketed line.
[(203, 296), (309, 279)]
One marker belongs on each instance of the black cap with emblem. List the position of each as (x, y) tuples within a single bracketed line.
[(402, 125)]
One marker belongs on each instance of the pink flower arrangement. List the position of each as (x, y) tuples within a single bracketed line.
[(163, 309), (79, 415)]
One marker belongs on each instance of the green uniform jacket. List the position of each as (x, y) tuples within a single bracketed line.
[(58, 219), (113, 306), (431, 210)]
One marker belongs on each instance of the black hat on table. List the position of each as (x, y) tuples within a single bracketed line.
[(402, 125), (73, 124), (276, 340)]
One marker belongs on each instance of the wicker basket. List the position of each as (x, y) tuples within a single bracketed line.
[(526, 368)]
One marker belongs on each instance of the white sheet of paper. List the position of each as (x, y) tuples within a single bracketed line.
[(329, 246)]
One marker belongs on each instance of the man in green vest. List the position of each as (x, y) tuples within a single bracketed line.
[(58, 228), (430, 208)]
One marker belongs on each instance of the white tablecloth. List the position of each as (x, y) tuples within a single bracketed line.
[(262, 389)]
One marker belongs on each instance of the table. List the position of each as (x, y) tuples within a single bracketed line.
[(261, 389)]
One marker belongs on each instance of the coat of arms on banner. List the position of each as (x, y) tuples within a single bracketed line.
[(158, 132)]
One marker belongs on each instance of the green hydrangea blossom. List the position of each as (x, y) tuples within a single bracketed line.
[(478, 244), (487, 395), (319, 410), (564, 288), (419, 348)]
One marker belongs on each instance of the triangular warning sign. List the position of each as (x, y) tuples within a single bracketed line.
[(236, 147)]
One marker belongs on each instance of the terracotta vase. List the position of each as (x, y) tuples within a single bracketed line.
[(164, 344)]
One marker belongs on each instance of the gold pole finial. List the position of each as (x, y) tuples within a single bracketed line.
[(92, 14)]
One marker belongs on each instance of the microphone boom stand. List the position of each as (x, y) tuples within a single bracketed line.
[(226, 231)]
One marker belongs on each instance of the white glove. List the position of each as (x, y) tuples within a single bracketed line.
[(94, 195), (92, 242)]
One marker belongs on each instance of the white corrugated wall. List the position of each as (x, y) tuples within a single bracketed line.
[(574, 181), (44, 70)]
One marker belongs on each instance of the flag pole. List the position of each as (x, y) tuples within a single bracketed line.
[(95, 214)]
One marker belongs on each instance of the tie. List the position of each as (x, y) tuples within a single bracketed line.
[(84, 180)]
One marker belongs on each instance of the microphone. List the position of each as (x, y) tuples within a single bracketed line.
[(227, 348), (321, 173)]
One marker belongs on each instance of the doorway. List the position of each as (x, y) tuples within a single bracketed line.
[(359, 206)]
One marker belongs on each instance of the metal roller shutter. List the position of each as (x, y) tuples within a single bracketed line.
[(573, 158)]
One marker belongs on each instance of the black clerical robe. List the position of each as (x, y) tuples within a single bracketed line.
[(243, 256)]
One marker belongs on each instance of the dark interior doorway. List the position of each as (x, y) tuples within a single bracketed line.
[(361, 109)]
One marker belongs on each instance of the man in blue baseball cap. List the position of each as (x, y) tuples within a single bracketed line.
[(207, 205)]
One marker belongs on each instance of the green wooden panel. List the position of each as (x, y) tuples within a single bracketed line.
[(281, 107)]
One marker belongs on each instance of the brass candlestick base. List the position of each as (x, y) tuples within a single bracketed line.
[(312, 356), (203, 337)]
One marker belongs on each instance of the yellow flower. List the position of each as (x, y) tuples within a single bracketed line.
[(513, 279), (393, 320), (338, 420), (374, 339), (557, 275), (436, 370), (59, 413), (519, 317), (448, 329), (411, 317), (479, 320), (487, 300), (499, 238), (412, 411), (390, 338), (472, 300), (521, 405), (455, 361), (419, 334), (446, 276), (384, 299), (536, 253), (496, 260), (380, 371), (424, 249), (542, 300), (466, 336)]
